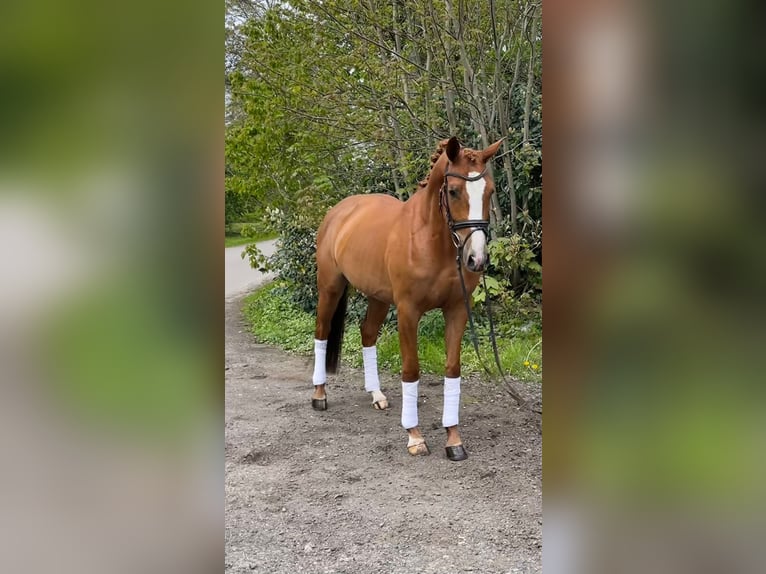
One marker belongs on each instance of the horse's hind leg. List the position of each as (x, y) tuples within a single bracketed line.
[(331, 289), (376, 314)]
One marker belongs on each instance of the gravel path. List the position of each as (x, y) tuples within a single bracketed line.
[(337, 492)]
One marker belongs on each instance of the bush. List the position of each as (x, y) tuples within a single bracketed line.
[(295, 261), (512, 261)]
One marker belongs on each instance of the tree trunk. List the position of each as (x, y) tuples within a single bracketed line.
[(449, 93), (397, 155), (530, 77)]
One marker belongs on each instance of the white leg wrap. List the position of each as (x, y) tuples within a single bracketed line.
[(450, 414), (410, 404), (320, 353), (370, 358)]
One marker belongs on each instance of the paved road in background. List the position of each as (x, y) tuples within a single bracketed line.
[(240, 277)]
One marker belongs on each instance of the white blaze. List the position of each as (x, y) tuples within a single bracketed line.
[(475, 191)]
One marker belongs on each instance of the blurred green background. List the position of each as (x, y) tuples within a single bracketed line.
[(109, 139), (655, 419), (111, 213)]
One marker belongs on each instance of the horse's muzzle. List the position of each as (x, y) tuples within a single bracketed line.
[(476, 264)]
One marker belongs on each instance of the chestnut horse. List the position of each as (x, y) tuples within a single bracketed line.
[(404, 253)]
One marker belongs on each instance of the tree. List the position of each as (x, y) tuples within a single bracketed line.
[(335, 97)]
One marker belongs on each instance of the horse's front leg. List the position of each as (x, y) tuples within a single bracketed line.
[(408, 318), (455, 318)]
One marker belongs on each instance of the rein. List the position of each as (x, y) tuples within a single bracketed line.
[(483, 226)]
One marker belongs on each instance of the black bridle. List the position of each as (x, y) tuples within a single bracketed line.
[(473, 224), (483, 226)]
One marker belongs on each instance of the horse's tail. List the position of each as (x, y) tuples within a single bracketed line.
[(335, 338)]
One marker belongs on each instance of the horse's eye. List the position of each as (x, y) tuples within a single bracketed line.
[(453, 193)]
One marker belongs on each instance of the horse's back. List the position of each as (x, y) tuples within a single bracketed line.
[(359, 215), (353, 239), (362, 205)]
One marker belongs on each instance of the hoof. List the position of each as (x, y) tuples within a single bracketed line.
[(418, 448), (319, 404), (456, 453), (379, 401)]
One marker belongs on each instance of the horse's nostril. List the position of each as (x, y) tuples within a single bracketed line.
[(471, 262)]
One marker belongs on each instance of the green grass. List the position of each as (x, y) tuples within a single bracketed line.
[(275, 320), (235, 240)]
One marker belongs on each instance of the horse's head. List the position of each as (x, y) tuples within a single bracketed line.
[(467, 188)]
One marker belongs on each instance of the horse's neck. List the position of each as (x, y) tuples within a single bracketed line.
[(427, 210)]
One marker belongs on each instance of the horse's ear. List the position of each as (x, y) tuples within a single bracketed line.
[(453, 148), (491, 150)]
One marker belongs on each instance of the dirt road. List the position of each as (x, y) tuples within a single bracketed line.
[(336, 491)]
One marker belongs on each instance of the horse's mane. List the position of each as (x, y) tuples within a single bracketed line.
[(470, 154)]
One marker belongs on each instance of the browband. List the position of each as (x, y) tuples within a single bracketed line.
[(466, 177)]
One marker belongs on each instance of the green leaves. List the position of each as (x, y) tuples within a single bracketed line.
[(333, 98), (494, 288)]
